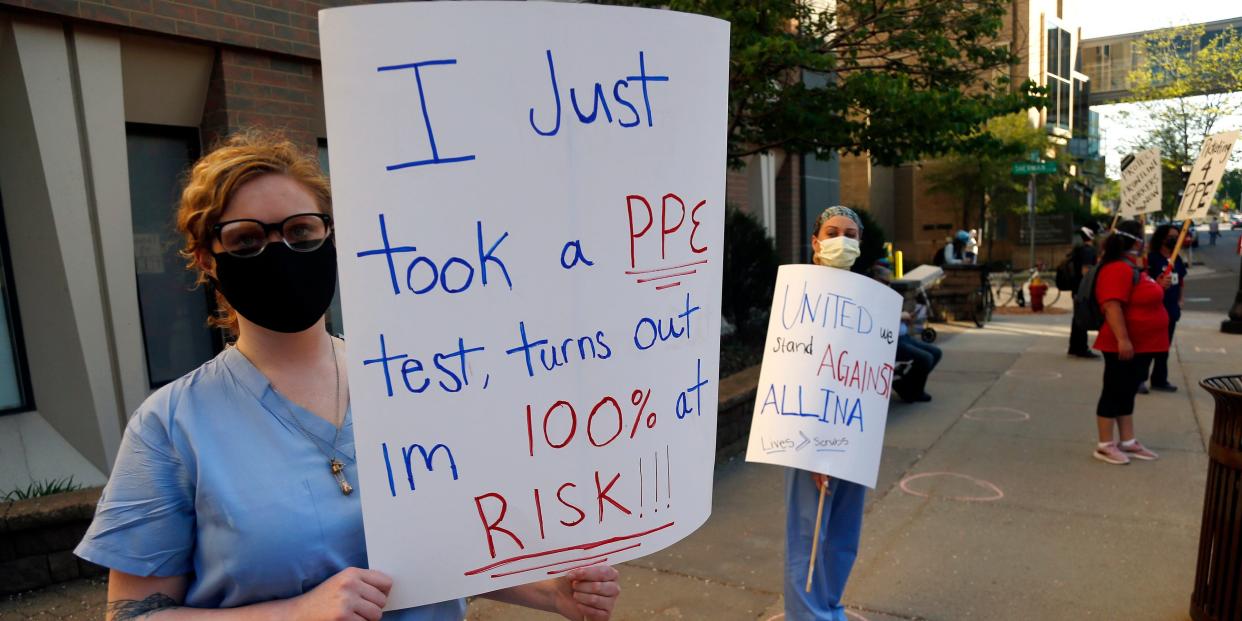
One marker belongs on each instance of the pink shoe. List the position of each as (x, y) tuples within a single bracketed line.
[(1138, 451), (1111, 454)]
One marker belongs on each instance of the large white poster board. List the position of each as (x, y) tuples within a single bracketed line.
[(1141, 184), (822, 400), (1205, 177), (530, 203)]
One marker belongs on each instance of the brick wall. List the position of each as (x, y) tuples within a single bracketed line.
[(280, 26), (856, 181), (254, 89), (737, 188), (37, 538)]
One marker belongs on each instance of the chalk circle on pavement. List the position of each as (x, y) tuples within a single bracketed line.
[(993, 492), (850, 614), (1035, 375), (997, 414)]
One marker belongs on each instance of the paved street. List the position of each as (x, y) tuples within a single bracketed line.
[(989, 504), (1214, 286)]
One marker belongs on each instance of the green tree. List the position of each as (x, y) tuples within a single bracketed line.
[(899, 79), (982, 179), (1231, 187), (1185, 83), (1106, 198), (871, 246), (750, 264)]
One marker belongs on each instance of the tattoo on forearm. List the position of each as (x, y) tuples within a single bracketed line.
[(127, 609)]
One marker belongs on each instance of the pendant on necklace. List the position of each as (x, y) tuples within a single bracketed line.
[(338, 472)]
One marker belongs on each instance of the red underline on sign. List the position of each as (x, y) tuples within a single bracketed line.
[(572, 560), (665, 269), (582, 546), (673, 275), (668, 285), (561, 571)]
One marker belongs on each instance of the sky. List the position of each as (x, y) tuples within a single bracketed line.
[(1101, 18)]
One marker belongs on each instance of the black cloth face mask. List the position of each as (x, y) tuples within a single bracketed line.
[(280, 289)]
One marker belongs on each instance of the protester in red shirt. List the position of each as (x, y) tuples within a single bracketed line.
[(1136, 327)]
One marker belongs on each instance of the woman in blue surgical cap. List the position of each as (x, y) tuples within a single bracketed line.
[(835, 244)]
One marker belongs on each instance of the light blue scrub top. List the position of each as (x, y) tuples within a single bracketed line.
[(213, 480)]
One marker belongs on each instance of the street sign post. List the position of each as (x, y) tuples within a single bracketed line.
[(1034, 168)]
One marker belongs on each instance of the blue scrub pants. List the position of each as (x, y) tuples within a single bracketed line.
[(838, 545)]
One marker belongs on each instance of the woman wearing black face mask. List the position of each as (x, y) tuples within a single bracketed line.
[(234, 485), (1162, 243)]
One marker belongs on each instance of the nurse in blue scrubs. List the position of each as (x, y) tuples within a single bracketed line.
[(233, 494), (835, 244)]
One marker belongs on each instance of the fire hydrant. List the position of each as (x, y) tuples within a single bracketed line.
[(1037, 289)]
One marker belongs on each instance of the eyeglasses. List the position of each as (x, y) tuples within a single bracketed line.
[(245, 238)]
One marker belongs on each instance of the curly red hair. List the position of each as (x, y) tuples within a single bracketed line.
[(214, 179)]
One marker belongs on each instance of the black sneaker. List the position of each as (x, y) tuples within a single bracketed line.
[(1164, 387)]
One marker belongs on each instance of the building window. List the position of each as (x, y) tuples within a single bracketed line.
[(1054, 49), (15, 392), (1067, 49), (174, 311)]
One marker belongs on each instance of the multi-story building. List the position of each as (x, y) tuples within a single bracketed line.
[(1109, 60), (1044, 36), (103, 105)]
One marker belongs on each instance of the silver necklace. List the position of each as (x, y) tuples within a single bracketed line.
[(335, 465)]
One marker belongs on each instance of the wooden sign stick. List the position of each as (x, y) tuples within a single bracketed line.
[(819, 515), (1115, 219)]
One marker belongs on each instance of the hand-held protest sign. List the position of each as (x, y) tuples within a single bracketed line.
[(1202, 185), (529, 203), (827, 376), (1141, 184)]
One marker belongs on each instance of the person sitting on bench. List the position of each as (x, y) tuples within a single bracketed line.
[(923, 357)]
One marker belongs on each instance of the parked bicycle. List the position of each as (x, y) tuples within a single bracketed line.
[(982, 301), (1009, 287)]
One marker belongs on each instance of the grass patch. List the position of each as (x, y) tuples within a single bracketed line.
[(41, 488)]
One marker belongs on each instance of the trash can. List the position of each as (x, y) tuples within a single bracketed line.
[(1218, 573)]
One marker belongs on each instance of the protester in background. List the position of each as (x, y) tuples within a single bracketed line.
[(972, 247), (233, 486), (1135, 328), (1082, 258), (1213, 230), (835, 244), (923, 357), (955, 249), (1158, 254)]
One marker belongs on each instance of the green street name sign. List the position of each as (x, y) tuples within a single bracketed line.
[(1034, 168)]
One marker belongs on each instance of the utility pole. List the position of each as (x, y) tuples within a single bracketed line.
[(1030, 208)]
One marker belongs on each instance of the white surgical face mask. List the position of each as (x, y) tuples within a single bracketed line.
[(839, 252)]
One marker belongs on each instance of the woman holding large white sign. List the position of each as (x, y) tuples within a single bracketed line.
[(835, 244), (234, 487)]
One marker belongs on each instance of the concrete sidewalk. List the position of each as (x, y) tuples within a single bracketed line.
[(989, 504)]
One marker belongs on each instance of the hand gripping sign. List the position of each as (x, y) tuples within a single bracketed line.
[(529, 202), (822, 399)]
